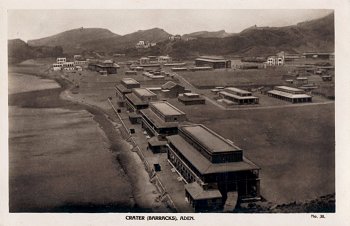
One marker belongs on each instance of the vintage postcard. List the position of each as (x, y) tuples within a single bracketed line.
[(140, 114)]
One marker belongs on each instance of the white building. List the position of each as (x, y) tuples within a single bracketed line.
[(61, 60), (276, 60), (57, 67), (80, 62), (143, 45), (68, 66), (164, 59)]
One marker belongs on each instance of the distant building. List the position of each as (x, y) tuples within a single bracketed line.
[(212, 166), (212, 61), (165, 59), (80, 62), (125, 87), (172, 89), (239, 96), (144, 60), (191, 99), (145, 44), (175, 37), (276, 60), (68, 66), (61, 60), (161, 119), (57, 67), (107, 65), (139, 99), (290, 94), (318, 55)]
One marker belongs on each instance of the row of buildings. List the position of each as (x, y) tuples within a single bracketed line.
[(211, 166), (144, 44), (232, 95), (63, 64)]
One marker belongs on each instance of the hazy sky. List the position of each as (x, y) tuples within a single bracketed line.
[(32, 24)]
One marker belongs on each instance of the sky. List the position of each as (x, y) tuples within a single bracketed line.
[(33, 24)]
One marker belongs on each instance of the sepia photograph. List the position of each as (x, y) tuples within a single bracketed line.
[(158, 112)]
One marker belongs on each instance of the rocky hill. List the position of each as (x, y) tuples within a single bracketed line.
[(73, 40), (314, 35), (18, 51), (207, 34), (127, 41)]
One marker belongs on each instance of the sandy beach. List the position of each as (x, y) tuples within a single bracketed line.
[(78, 160)]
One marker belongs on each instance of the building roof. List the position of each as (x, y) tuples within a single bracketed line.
[(236, 90), (289, 88), (108, 62), (156, 120), (143, 92), (202, 164), (212, 60), (154, 141), (212, 57), (236, 96), (191, 94), (189, 99), (166, 109), (198, 193), (135, 100), (289, 95), (122, 89), (130, 81), (209, 139), (169, 85)]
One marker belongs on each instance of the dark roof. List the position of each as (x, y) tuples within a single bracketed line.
[(157, 121), (185, 99), (212, 57), (154, 141), (135, 100), (236, 96), (166, 109), (122, 89), (169, 85), (202, 164), (198, 193), (212, 141)]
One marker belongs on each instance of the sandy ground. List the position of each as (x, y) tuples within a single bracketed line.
[(83, 183), (295, 147)]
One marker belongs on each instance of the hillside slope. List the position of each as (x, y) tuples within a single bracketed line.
[(127, 41), (18, 51), (315, 35), (73, 40), (207, 34)]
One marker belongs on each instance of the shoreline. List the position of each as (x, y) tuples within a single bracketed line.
[(125, 158)]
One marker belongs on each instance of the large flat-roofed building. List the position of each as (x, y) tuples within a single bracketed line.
[(139, 99), (290, 94), (161, 119), (239, 96), (215, 163), (107, 66), (126, 85), (212, 61)]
